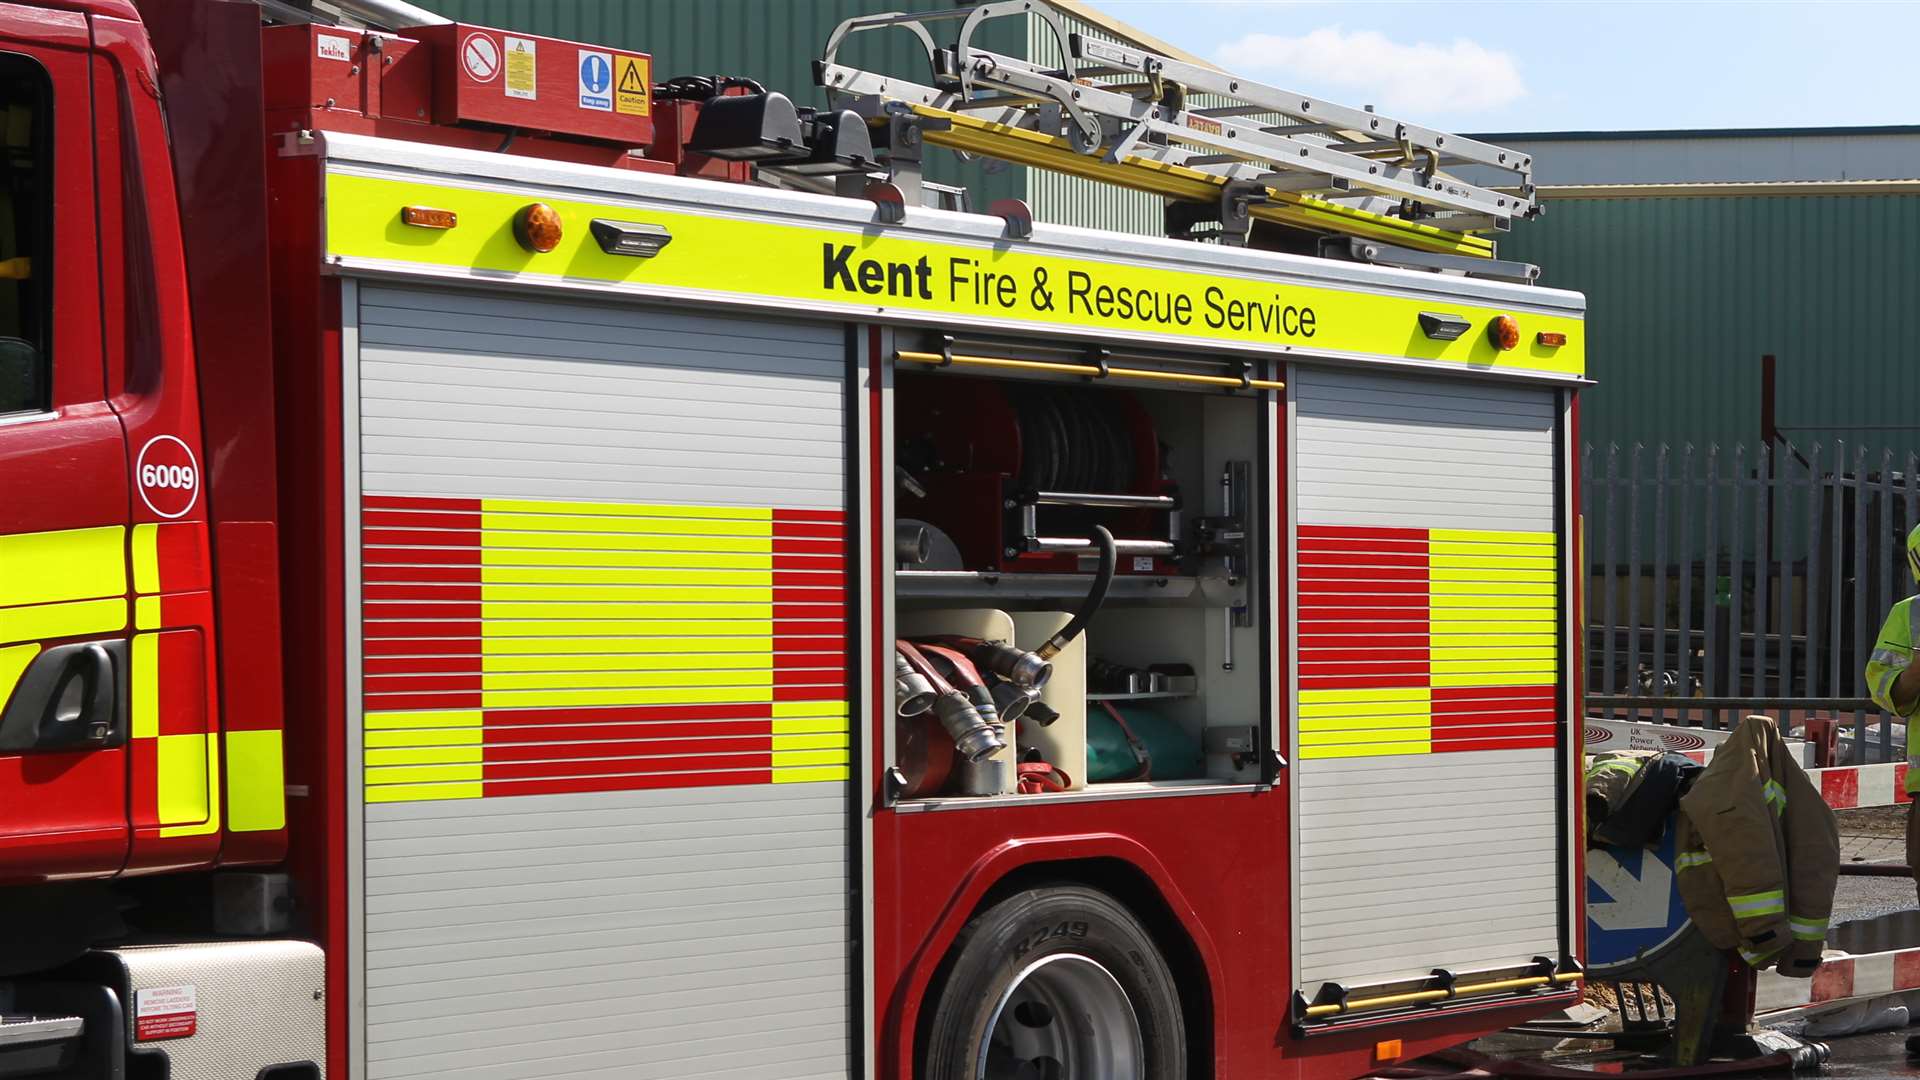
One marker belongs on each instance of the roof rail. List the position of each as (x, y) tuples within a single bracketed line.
[(1235, 149)]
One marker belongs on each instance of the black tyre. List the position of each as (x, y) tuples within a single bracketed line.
[(1057, 983)]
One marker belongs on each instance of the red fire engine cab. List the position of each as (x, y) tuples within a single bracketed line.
[(512, 567)]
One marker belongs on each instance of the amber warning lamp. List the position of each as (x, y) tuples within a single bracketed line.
[(1504, 331), (537, 227), (1551, 339)]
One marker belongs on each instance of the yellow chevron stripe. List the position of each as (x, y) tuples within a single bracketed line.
[(680, 526), (1504, 664), (71, 564), (710, 593), (786, 758), (1439, 549), (1490, 574), (725, 695), (393, 791), (425, 755), (1379, 749), (638, 611), (745, 629), (495, 577), (823, 741), (633, 648), (1335, 728), (1414, 693), (146, 558), (433, 718), (810, 774), (570, 555), (573, 541), (1482, 536), (618, 680), (810, 708), (631, 510), (735, 661), (43, 622), (810, 725), (1482, 589), (415, 774)]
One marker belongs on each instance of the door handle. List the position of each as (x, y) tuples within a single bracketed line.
[(69, 698)]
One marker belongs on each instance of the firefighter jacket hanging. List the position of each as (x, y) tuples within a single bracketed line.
[(1759, 853), (1631, 794)]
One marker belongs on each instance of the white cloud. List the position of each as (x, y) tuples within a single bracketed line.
[(1365, 67)]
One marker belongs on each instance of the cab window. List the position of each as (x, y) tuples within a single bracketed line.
[(26, 221)]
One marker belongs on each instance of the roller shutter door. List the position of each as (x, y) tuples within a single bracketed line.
[(1426, 697), (603, 709)]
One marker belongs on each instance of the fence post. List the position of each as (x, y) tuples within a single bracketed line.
[(1710, 583), (1810, 617), (1736, 575), (1606, 533), (1633, 572), (1659, 613), (1766, 478), (1684, 499)]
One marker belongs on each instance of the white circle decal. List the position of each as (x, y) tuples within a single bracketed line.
[(167, 476), (481, 57)]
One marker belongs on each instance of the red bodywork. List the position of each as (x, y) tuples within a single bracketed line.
[(244, 299)]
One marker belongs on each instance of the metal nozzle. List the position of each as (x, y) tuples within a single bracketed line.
[(973, 736), (1021, 668), (1012, 701), (912, 693), (912, 544)]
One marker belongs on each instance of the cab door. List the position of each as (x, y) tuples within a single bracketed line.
[(64, 517)]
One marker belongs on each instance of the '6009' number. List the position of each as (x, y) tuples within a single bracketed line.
[(167, 476)]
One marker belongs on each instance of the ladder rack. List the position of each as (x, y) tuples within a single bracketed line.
[(1230, 149)]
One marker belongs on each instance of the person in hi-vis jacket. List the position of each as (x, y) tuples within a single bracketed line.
[(1894, 681)]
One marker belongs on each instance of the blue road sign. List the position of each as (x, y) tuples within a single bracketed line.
[(1633, 902)]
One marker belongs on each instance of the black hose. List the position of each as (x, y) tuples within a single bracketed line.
[(1102, 578)]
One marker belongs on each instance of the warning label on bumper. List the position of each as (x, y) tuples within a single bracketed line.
[(165, 1012)]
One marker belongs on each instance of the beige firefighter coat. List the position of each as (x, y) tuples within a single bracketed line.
[(1759, 852)]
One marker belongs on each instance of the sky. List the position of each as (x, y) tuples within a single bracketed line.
[(1509, 65)]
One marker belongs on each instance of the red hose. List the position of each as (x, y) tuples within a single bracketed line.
[(924, 666), (964, 675)]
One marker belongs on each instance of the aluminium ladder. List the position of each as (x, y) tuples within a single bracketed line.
[(1237, 149)]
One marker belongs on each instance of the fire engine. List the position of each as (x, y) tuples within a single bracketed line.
[(512, 566)]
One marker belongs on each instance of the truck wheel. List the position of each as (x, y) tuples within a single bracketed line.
[(1058, 983)]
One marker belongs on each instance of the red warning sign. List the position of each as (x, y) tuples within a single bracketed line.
[(165, 1012), (481, 56)]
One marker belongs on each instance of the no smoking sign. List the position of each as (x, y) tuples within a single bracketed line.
[(480, 55)]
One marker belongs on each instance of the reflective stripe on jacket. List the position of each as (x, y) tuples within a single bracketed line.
[(1759, 852)]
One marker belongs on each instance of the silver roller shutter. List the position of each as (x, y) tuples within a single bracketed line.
[(602, 712), (1425, 696)]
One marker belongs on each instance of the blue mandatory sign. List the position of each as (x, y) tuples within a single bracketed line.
[(596, 81), (1633, 903)]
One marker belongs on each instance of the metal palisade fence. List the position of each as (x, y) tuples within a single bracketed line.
[(1730, 580)]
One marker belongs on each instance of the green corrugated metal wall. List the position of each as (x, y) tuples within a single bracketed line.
[(772, 41), (1686, 294)]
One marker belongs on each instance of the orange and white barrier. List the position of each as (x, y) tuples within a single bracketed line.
[(1850, 787), (1839, 980)]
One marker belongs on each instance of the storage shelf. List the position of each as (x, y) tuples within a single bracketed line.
[(972, 584), (1125, 789), (1144, 695)]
